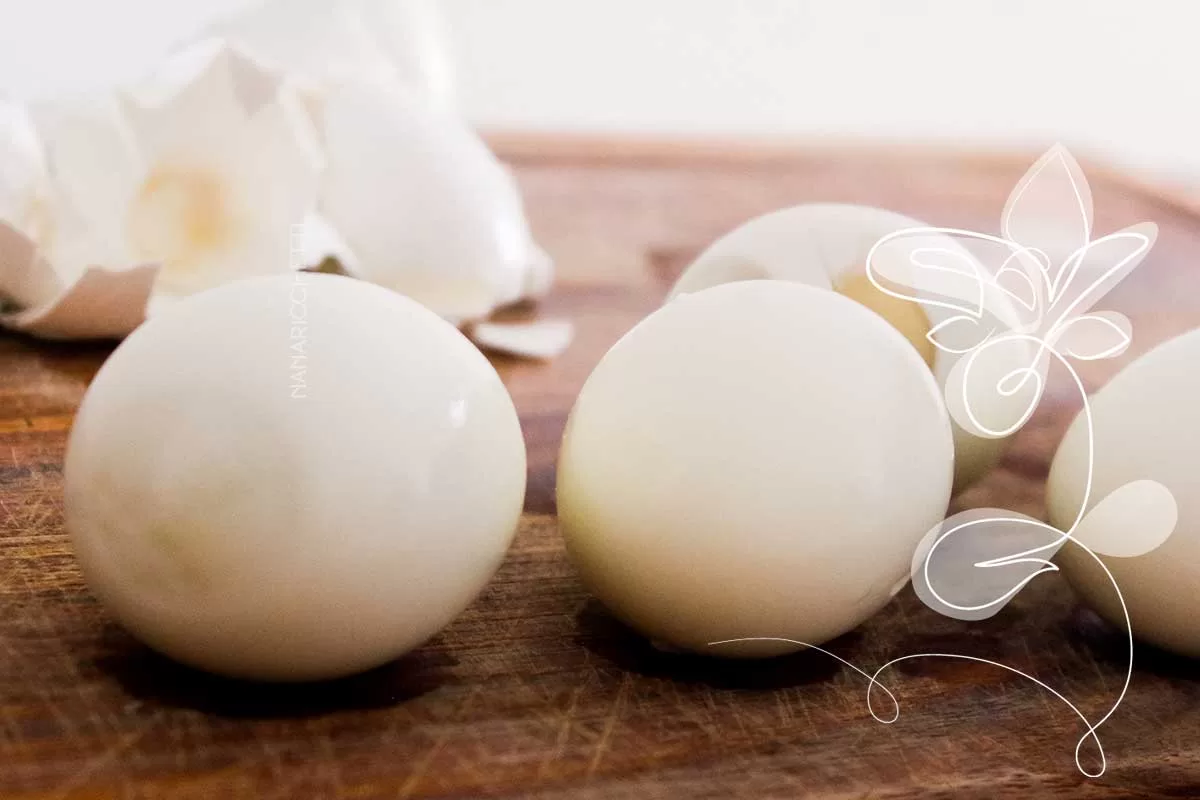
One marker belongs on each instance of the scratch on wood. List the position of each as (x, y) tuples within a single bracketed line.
[(439, 744), (564, 729), (610, 724), (81, 778)]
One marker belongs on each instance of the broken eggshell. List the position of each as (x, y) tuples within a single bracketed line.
[(418, 201), (187, 181), (203, 170), (424, 206), (24, 212), (827, 245), (230, 163), (47, 289)]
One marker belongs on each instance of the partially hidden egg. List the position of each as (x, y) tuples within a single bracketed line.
[(827, 245), (293, 478), (755, 460), (1146, 427)]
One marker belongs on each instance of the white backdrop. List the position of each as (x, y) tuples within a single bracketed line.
[(1110, 78)]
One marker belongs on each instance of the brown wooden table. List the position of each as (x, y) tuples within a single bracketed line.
[(535, 691)]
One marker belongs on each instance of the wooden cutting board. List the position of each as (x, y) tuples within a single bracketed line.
[(535, 691)]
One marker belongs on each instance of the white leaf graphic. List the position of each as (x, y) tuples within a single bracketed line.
[(1019, 290), (992, 391), (1051, 209), (1019, 287), (1095, 270), (955, 270), (971, 565), (1134, 520), (1092, 337), (926, 266)]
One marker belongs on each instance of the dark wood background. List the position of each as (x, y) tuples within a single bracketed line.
[(535, 691)]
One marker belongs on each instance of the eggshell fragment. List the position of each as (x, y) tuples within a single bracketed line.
[(102, 304), (1146, 425), (25, 278), (424, 205), (544, 339), (24, 210), (826, 245), (188, 177), (293, 478), (732, 469)]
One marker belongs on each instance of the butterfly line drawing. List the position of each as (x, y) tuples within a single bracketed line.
[(1007, 326)]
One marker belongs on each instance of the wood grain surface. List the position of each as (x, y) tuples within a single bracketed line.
[(535, 691)]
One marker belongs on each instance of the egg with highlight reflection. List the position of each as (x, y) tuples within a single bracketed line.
[(753, 460), (292, 478)]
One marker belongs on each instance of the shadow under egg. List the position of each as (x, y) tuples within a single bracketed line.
[(156, 680), (603, 635)]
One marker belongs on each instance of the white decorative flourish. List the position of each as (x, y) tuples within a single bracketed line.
[(1036, 304)]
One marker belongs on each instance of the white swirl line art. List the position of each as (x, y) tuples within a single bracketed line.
[(1008, 327)]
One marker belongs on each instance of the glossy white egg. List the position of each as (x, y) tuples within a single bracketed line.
[(758, 459), (1146, 428), (293, 478), (826, 245)]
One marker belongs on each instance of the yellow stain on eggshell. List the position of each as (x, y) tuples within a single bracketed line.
[(180, 216)]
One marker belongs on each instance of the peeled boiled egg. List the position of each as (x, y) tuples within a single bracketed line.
[(1146, 424), (757, 459), (826, 245), (293, 478)]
